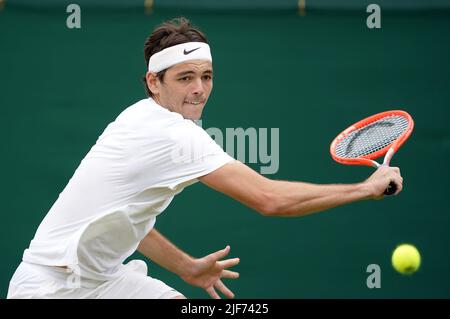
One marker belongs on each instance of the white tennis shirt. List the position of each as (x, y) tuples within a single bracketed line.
[(139, 163)]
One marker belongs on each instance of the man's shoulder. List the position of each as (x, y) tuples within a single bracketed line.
[(147, 111), (152, 120), (137, 107)]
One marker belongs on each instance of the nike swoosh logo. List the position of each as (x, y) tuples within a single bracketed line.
[(187, 52)]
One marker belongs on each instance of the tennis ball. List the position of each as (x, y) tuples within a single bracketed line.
[(406, 259)]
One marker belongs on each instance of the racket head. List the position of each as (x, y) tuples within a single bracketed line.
[(371, 138)]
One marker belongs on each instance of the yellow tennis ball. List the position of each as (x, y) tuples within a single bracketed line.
[(406, 259)]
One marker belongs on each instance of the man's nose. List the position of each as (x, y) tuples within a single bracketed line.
[(198, 88)]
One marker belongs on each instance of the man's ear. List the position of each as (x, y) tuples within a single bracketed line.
[(153, 82)]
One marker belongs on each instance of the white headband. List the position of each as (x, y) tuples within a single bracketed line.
[(179, 53)]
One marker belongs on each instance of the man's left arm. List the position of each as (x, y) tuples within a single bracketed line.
[(205, 272)]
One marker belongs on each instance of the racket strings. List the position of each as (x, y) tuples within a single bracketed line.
[(372, 137)]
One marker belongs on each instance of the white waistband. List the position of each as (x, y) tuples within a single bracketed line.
[(65, 276)]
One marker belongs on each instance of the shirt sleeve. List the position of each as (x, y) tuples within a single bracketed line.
[(177, 158)]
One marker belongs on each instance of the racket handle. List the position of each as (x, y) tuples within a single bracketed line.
[(391, 189)]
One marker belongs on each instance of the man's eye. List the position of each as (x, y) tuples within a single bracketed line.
[(207, 77), (185, 78)]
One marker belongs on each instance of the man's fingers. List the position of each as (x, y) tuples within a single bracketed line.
[(396, 169), (394, 176), (230, 274), (227, 292), (220, 253), (398, 181), (399, 184), (229, 262), (212, 293)]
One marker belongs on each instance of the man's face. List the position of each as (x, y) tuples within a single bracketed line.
[(185, 89)]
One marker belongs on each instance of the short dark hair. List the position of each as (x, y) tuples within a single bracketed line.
[(170, 33)]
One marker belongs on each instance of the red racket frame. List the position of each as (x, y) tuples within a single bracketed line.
[(368, 160)]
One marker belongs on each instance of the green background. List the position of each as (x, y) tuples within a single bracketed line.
[(310, 76)]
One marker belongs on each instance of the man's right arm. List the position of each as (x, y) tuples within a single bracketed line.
[(289, 199)]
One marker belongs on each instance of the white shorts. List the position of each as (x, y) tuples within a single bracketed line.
[(38, 281)]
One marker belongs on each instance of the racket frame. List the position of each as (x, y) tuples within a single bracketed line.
[(388, 151)]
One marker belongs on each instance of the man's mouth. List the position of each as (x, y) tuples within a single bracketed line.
[(193, 102)]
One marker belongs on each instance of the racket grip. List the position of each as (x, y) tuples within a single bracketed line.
[(391, 189)]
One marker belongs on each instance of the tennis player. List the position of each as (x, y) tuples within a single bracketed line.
[(149, 154)]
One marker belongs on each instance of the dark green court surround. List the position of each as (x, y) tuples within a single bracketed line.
[(310, 76)]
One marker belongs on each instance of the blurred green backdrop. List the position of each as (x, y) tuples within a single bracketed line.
[(308, 75)]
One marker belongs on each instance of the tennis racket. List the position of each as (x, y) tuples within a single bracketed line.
[(377, 135)]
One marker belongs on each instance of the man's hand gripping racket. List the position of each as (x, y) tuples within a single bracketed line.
[(371, 138)]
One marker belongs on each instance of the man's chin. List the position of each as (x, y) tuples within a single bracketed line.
[(193, 118)]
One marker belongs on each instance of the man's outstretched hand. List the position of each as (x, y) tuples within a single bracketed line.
[(206, 273), (380, 180)]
